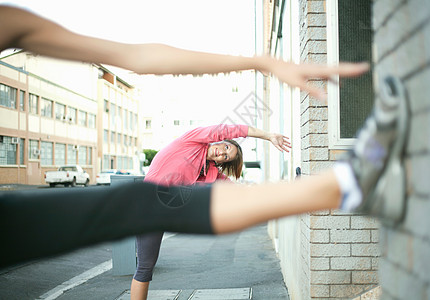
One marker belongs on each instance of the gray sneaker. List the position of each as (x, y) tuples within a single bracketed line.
[(377, 157)]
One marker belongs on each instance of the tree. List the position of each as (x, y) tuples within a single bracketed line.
[(149, 154)]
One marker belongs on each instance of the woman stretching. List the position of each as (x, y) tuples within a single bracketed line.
[(202, 155), (55, 221)]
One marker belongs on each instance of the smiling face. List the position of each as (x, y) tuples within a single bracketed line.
[(221, 152)]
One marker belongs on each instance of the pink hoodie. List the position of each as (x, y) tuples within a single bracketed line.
[(181, 161)]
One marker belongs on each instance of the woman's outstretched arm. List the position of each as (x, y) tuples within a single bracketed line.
[(236, 207), (278, 140), (22, 29)]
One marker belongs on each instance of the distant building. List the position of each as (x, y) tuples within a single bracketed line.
[(55, 112)]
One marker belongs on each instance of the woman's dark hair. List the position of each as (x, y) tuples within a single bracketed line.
[(234, 167)]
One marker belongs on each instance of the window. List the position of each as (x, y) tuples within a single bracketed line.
[(8, 96), (33, 149), (82, 118), (349, 27), (21, 100), (60, 154), (112, 114), (119, 138), (91, 120), (125, 119), (148, 124), (60, 111), (21, 151), (46, 157), (71, 155), (119, 163), (71, 115), (106, 160), (106, 106), (82, 155), (33, 104), (90, 155), (119, 120), (176, 122), (130, 142), (105, 136), (112, 137), (125, 140), (7, 151), (46, 108), (130, 121)]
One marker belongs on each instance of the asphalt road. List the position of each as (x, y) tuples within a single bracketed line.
[(186, 263)]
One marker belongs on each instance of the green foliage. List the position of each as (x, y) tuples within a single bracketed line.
[(149, 154)]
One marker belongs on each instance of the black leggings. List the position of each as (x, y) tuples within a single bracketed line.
[(39, 223)]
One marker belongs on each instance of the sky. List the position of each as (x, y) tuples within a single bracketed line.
[(221, 26)]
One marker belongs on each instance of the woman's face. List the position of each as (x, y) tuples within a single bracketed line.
[(221, 152)]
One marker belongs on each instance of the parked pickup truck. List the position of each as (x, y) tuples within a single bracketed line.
[(67, 175)]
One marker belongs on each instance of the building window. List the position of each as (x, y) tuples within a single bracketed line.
[(105, 136), (106, 160), (21, 100), (130, 121), (33, 149), (130, 142), (125, 119), (176, 122), (90, 155), (46, 108), (8, 96), (8, 147), (71, 115), (119, 138), (106, 106), (119, 120), (33, 104), (71, 155), (112, 114), (60, 154), (148, 124), (21, 151), (60, 111), (112, 137), (349, 27), (82, 118), (46, 157), (125, 140), (82, 155), (91, 120)]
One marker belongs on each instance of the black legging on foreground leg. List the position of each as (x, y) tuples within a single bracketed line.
[(39, 223)]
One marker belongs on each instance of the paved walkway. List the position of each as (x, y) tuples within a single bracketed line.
[(237, 266)]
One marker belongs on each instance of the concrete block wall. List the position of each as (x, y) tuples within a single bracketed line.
[(402, 48), (343, 248)]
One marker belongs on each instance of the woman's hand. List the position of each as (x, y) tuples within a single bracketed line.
[(280, 141), (298, 75)]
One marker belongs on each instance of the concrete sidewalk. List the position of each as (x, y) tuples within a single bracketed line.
[(237, 266)]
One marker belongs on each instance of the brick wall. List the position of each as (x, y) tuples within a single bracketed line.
[(343, 247), (402, 48)]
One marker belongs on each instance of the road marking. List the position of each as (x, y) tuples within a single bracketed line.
[(77, 280), (167, 235)]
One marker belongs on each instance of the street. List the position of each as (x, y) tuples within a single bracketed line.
[(187, 263)]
